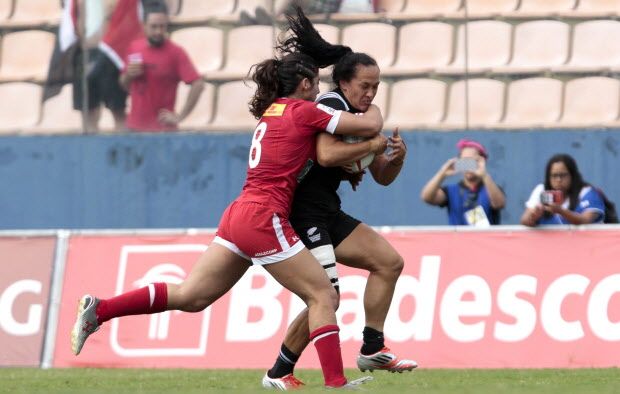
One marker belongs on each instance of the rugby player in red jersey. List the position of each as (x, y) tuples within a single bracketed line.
[(254, 229)]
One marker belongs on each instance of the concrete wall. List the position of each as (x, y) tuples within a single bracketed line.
[(186, 180)]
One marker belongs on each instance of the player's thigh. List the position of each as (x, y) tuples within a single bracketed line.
[(303, 275), (366, 249), (216, 271)]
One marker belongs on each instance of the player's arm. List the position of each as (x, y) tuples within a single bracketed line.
[(386, 167), (367, 124), (333, 152), (431, 192)]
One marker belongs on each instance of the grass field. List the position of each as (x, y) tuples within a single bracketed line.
[(23, 380)]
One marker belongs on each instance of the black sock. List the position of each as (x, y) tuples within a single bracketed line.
[(285, 363), (373, 341)]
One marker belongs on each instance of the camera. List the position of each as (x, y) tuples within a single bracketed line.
[(551, 197)]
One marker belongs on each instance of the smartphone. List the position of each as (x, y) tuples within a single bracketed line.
[(465, 164), (551, 197)]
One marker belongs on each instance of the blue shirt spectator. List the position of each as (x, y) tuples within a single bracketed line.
[(465, 205), (476, 200), (564, 198), (589, 200)]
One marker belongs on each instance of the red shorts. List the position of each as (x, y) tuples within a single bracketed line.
[(255, 232)]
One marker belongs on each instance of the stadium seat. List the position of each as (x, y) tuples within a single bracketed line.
[(6, 7), (541, 9), (247, 45), (422, 47), (488, 47), (591, 101), (426, 9), (588, 9), (21, 106), (231, 108), (201, 10), (26, 55), (538, 46), (202, 112), (376, 39), (58, 115), (205, 46), (486, 9), (533, 102), (35, 13), (485, 103), (593, 49), (416, 103)]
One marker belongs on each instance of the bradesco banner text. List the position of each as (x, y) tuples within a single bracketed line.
[(25, 273), (465, 299)]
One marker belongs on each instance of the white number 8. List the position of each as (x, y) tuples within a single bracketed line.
[(256, 148)]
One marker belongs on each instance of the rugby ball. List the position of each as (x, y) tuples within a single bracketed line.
[(361, 164)]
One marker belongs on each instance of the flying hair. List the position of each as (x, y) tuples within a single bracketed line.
[(304, 39), (302, 54)]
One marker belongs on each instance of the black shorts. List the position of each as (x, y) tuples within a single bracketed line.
[(103, 85), (331, 231)]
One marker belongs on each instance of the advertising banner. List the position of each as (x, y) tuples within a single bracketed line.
[(25, 273), (497, 299)]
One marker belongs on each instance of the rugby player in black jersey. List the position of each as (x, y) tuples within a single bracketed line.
[(332, 235)]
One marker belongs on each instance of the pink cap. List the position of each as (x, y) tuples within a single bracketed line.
[(465, 143)]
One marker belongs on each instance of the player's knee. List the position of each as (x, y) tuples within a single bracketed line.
[(397, 264), (335, 297)]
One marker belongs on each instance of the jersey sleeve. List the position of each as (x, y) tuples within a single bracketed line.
[(185, 68), (534, 199), (316, 117), (592, 201)]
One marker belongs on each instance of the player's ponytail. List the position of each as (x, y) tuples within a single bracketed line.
[(265, 75), (304, 52), (304, 38)]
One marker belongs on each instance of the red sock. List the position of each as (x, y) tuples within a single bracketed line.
[(327, 343), (150, 299)]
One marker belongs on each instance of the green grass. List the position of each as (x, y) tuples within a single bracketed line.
[(169, 381)]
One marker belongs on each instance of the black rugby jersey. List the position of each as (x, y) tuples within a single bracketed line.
[(316, 197)]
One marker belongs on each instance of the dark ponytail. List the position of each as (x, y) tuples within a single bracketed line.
[(305, 39), (304, 52)]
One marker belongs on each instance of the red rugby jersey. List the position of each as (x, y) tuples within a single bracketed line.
[(283, 146)]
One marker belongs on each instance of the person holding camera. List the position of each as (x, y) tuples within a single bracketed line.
[(564, 198), (476, 200)]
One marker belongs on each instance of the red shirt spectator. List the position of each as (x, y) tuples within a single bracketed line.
[(164, 67)]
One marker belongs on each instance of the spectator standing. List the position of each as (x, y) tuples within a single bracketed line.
[(476, 200), (154, 67), (564, 198), (104, 31)]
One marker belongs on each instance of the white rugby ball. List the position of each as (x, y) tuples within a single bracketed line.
[(361, 164)]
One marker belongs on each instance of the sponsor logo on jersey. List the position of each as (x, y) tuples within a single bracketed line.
[(326, 109), (275, 110)]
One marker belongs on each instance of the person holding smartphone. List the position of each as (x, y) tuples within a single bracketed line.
[(564, 198), (475, 200)]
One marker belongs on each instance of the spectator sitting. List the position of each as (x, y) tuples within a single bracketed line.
[(475, 200), (153, 70), (564, 198)]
